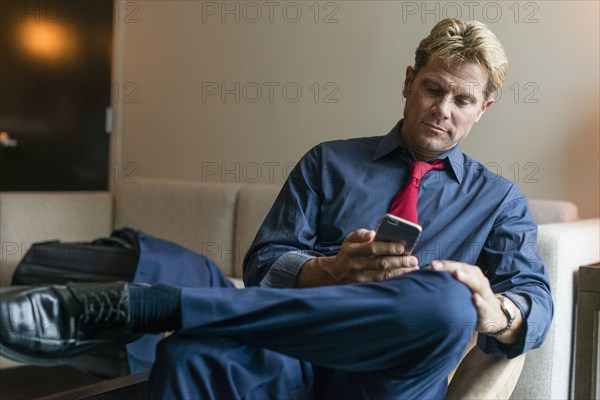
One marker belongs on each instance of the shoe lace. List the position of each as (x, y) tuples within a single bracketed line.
[(106, 305)]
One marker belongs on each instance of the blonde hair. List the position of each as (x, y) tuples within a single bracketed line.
[(453, 41)]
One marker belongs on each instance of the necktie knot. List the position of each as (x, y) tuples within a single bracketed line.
[(405, 202), (420, 168)]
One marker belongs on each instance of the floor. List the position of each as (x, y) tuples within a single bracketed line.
[(30, 382), (69, 383)]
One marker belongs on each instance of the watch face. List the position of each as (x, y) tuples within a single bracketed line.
[(507, 307)]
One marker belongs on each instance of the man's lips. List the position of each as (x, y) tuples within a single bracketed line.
[(434, 127)]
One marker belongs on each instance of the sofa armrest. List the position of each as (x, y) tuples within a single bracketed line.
[(564, 247), (481, 376)]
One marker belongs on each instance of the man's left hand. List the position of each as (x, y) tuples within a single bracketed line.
[(491, 318)]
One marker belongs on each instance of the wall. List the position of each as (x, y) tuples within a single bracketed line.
[(238, 91)]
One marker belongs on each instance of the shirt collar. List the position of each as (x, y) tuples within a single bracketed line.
[(393, 141)]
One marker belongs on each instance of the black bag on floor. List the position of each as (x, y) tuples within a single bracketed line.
[(107, 259)]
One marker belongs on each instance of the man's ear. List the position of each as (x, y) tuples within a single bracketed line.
[(408, 80), (487, 103)]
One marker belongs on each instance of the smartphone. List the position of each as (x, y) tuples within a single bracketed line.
[(396, 229)]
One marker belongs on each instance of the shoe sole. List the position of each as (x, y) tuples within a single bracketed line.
[(50, 361)]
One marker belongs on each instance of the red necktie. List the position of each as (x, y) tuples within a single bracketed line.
[(405, 202)]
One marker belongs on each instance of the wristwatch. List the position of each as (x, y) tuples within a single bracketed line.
[(510, 314)]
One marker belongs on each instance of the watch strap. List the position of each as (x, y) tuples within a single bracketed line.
[(510, 314)]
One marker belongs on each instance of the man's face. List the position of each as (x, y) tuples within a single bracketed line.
[(442, 104)]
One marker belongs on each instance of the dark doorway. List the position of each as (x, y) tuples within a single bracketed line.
[(55, 77)]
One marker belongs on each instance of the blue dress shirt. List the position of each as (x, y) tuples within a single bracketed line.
[(467, 212)]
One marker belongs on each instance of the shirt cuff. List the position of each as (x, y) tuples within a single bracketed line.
[(521, 302), (491, 346), (283, 272)]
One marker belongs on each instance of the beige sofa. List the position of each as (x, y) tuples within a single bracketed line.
[(220, 220)]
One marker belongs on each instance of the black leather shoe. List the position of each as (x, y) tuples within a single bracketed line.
[(46, 325)]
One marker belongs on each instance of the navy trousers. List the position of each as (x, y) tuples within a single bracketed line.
[(396, 339)]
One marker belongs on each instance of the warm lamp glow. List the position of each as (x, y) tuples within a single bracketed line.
[(50, 41)]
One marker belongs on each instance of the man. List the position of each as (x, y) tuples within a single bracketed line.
[(338, 314)]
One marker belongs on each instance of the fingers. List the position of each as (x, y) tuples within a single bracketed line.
[(388, 263), (377, 275), (485, 301), (377, 249), (360, 236), (470, 275), (361, 259), (378, 264), (360, 243)]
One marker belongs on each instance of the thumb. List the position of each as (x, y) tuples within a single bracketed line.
[(361, 236)]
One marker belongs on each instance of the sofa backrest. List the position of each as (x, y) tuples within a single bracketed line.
[(218, 220), (253, 204), (553, 211), (29, 217), (198, 216)]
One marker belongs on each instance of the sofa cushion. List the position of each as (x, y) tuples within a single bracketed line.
[(254, 202), (198, 216), (28, 217), (481, 376)]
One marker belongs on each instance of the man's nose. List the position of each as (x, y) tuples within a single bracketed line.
[(441, 107)]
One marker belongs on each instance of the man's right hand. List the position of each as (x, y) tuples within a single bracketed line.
[(360, 259)]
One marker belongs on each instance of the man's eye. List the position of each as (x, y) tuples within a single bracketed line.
[(462, 102), (433, 89)]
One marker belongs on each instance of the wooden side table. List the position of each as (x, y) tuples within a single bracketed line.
[(587, 368)]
